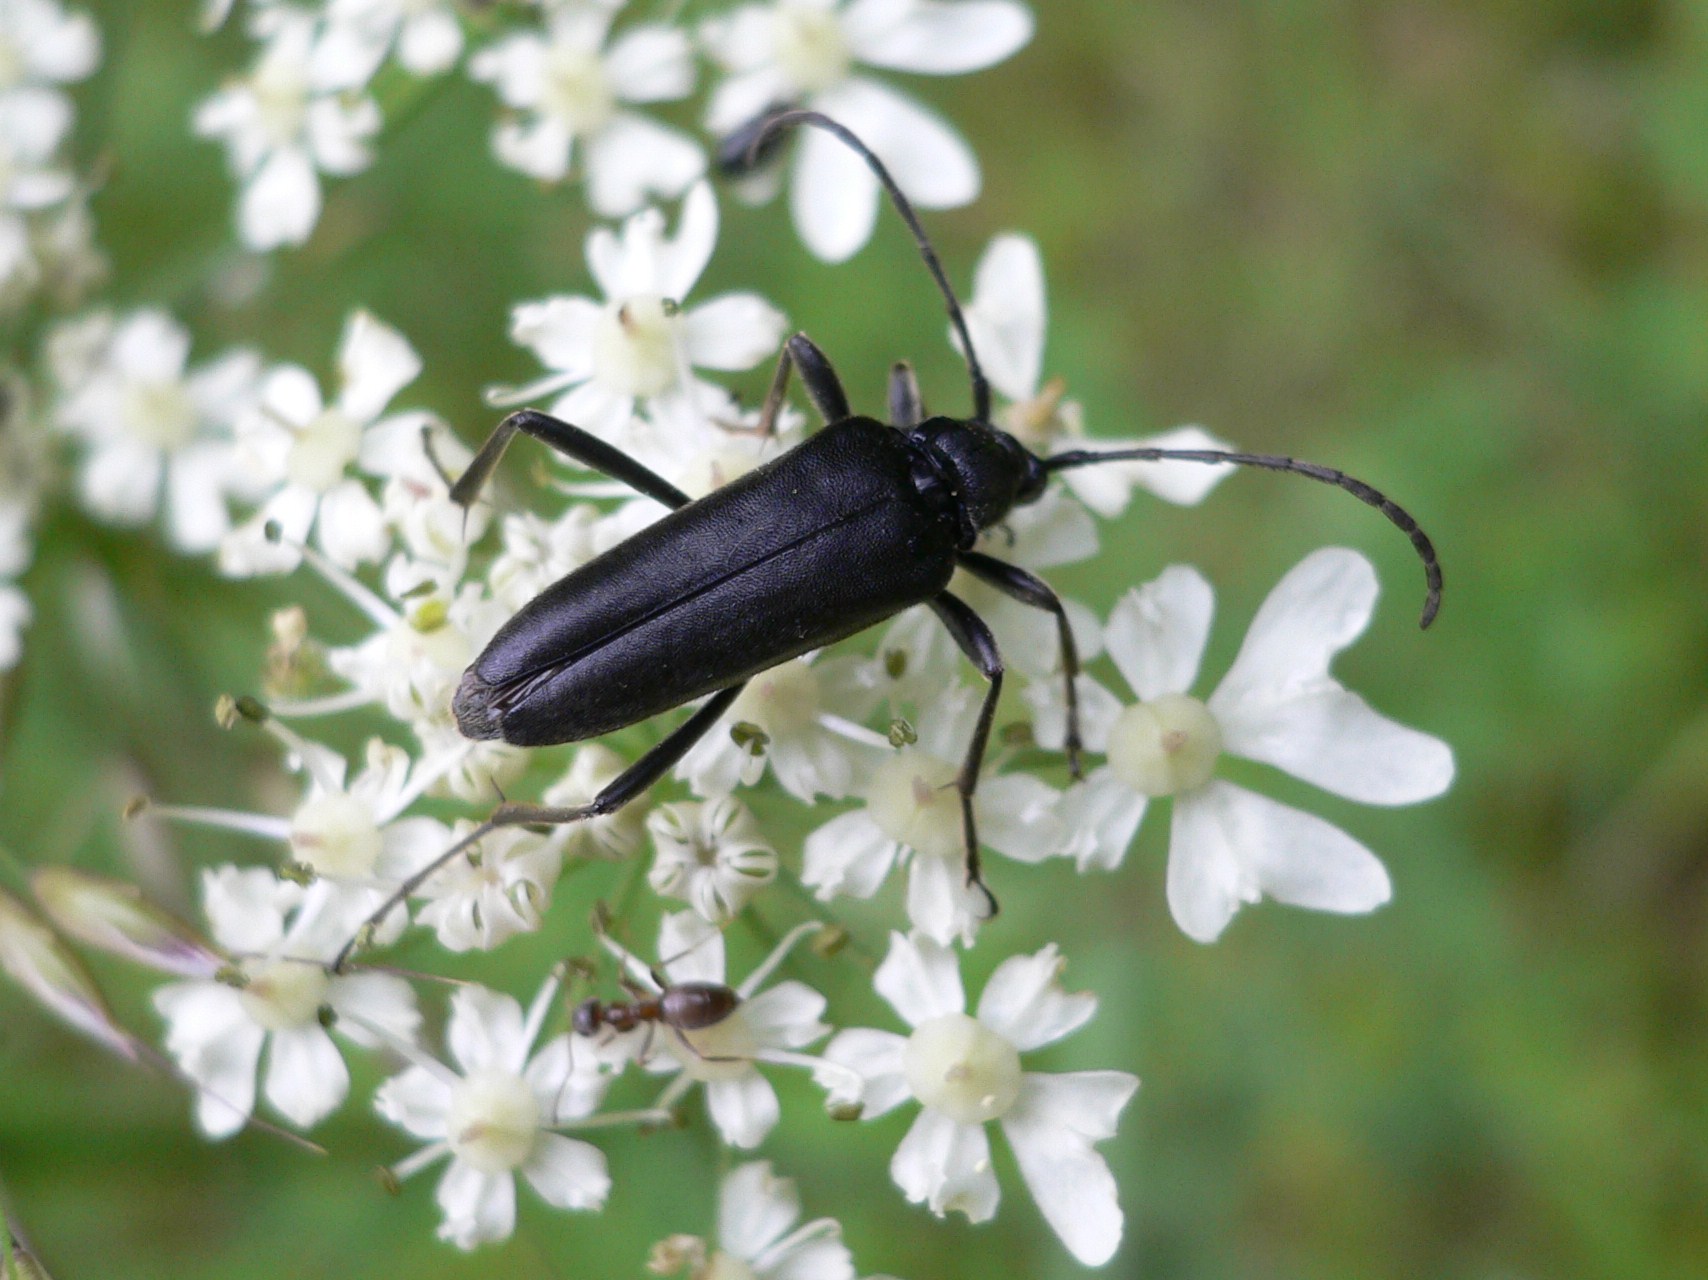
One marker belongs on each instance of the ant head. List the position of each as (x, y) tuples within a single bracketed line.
[(588, 1017)]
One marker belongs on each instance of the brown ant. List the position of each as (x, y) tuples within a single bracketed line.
[(686, 1006)]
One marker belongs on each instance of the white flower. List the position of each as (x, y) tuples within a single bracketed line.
[(1278, 705), (359, 33), (280, 128), (771, 1026), (299, 450), (1007, 317), (156, 436), (641, 343), (966, 1073), (804, 53), (494, 1117), (15, 553), (539, 550), (810, 748), (42, 46), (281, 938), (709, 856), (757, 1237), (493, 891), (569, 87), (31, 129), (913, 813)]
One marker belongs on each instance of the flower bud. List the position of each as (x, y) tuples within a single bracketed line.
[(116, 918), (40, 963)]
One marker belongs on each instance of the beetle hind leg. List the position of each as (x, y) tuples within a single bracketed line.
[(634, 781)]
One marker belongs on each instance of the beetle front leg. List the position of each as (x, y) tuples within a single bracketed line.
[(575, 444), (817, 374), (1017, 584), (626, 786), (974, 637)]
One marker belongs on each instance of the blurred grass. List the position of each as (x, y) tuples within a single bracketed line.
[(1458, 249)]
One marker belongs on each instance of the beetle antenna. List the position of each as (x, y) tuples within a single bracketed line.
[(773, 125), (1272, 462)]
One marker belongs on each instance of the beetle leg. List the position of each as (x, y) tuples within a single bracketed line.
[(1017, 584), (907, 407), (626, 786), (820, 378), (575, 444), (976, 641)]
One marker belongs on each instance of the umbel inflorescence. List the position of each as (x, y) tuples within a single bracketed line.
[(262, 468)]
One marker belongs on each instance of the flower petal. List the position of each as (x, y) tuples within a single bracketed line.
[(1024, 1002), (306, 1076), (946, 1166), (1157, 632), (877, 1058), (744, 1109), (1231, 846), (755, 1209), (416, 1101), (1007, 314), (848, 854), (486, 1030), (930, 37), (734, 331), (1052, 1128), (479, 1208), (920, 978), (633, 159), (568, 1173)]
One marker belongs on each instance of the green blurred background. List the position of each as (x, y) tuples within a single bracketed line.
[(1459, 249)]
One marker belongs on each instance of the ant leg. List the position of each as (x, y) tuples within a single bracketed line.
[(976, 641), (1017, 584), (626, 786), (575, 444), (907, 407)]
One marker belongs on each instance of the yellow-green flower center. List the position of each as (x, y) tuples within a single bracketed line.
[(634, 347), (160, 413), (811, 49), (322, 449), (578, 90), (913, 800), (1165, 746), (282, 994), (957, 1065), (493, 1121), (335, 834)]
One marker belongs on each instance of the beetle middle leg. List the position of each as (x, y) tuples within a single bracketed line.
[(632, 782), (576, 445), (1017, 584), (976, 641)]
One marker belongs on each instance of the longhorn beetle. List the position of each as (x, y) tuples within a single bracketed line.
[(847, 529)]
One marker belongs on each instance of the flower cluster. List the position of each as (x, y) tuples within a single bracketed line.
[(582, 83), (267, 469)]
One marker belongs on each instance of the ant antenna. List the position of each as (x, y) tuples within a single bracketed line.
[(773, 125), (1271, 462)]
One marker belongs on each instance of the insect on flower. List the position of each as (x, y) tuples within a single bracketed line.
[(849, 528)]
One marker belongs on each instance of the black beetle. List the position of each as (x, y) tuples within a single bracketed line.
[(847, 529)]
